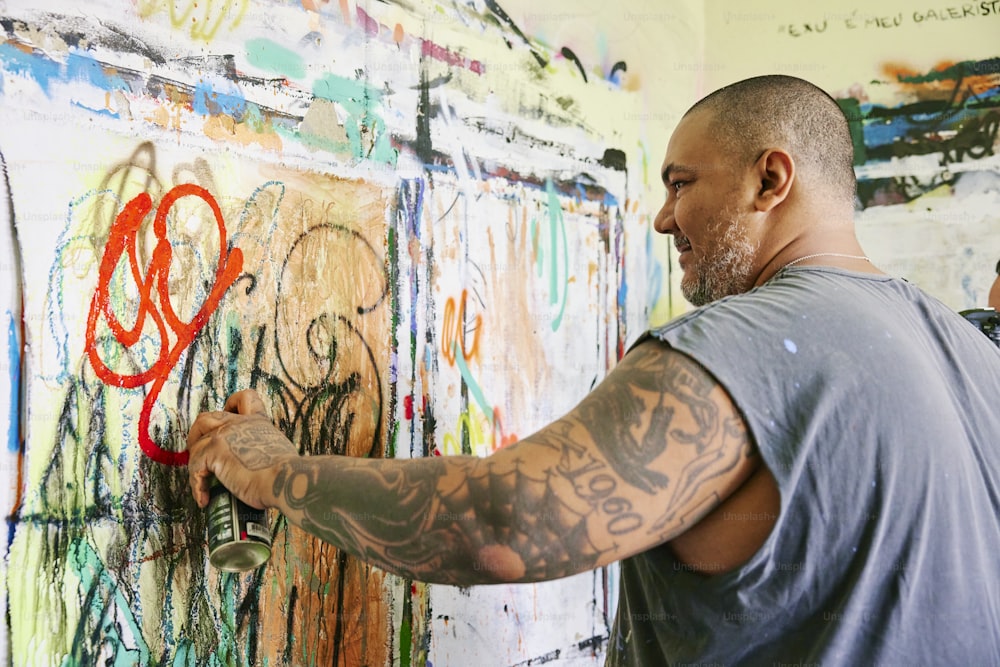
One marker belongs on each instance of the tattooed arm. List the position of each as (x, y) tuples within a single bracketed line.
[(644, 456)]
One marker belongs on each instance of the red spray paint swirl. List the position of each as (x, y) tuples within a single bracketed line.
[(123, 240)]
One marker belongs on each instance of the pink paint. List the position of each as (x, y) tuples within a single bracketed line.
[(369, 24), (431, 50)]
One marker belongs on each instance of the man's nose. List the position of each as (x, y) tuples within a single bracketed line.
[(664, 220)]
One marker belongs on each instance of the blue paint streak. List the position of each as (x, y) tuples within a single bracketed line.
[(208, 101), (879, 132), (412, 201), (81, 67), (623, 291), (654, 275), (99, 112), (14, 363), (43, 70)]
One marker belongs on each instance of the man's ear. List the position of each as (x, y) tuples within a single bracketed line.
[(775, 173)]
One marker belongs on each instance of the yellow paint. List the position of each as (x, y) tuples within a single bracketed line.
[(203, 24), (225, 128), (169, 118), (476, 424)]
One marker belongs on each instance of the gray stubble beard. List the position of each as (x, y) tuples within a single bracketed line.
[(727, 270)]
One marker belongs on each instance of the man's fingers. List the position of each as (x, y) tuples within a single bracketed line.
[(246, 402), (199, 440), (203, 425), (199, 473), (199, 481)]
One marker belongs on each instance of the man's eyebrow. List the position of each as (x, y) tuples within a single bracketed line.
[(670, 168)]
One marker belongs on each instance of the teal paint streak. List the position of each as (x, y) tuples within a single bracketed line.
[(340, 89), (273, 57), (359, 100), (109, 607), (474, 388), (557, 238), (185, 656), (110, 611), (547, 257), (228, 653)]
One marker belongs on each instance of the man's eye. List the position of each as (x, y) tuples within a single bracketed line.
[(676, 185)]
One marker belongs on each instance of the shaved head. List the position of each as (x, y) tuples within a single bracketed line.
[(778, 111)]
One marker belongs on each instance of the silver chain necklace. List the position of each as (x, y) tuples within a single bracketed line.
[(823, 254)]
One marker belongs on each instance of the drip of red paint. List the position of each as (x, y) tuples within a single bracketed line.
[(123, 240)]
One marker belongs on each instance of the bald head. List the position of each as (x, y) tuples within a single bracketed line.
[(778, 111)]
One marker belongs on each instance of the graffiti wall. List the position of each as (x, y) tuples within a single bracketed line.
[(920, 84), (417, 229)]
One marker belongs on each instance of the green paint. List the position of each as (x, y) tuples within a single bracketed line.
[(536, 247), (89, 567), (185, 655), (359, 100), (273, 57), (557, 231), (477, 392), (955, 72), (406, 635), (852, 110), (555, 213), (341, 89), (227, 652), (393, 262), (556, 238), (253, 118), (382, 152)]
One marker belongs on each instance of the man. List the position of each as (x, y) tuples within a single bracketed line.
[(802, 470)]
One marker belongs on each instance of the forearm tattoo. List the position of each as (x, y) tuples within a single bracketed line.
[(454, 519), (448, 520)]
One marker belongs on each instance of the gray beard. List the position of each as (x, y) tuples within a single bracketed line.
[(726, 271)]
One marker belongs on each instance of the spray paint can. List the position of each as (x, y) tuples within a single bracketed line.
[(238, 535)]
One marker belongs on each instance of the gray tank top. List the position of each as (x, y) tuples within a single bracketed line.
[(877, 409)]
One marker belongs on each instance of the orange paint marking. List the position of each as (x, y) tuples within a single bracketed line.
[(454, 331)]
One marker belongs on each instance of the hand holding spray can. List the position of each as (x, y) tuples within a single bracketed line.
[(238, 535)]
